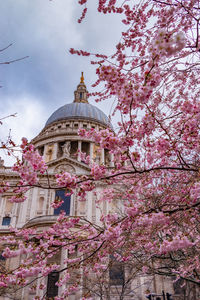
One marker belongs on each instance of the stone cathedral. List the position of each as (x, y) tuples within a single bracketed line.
[(60, 145)]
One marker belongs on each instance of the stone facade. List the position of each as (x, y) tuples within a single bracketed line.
[(60, 145)]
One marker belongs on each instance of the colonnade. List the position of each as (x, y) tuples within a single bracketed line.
[(51, 152)]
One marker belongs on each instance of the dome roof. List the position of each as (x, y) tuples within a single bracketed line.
[(79, 110)]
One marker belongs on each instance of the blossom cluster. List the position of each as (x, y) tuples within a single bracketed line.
[(176, 244), (150, 207), (31, 163), (98, 171), (166, 44), (4, 187), (85, 187), (65, 179), (79, 52)]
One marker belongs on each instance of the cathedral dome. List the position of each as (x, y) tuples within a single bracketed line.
[(79, 110)]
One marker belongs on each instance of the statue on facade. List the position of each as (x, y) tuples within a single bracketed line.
[(66, 148), (49, 153)]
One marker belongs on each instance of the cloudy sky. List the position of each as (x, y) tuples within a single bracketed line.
[(45, 31)]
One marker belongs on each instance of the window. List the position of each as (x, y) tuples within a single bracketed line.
[(74, 148), (6, 221), (81, 95), (2, 258), (52, 288), (60, 194), (85, 148), (116, 272), (60, 149), (179, 287), (41, 150)]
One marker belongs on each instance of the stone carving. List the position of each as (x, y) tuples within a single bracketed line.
[(66, 148), (96, 154), (65, 168), (49, 153)]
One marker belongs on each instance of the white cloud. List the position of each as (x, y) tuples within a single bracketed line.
[(30, 119), (45, 30)]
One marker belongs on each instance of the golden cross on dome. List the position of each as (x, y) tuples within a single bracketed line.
[(82, 78)]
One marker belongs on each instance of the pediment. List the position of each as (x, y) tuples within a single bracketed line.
[(67, 164)]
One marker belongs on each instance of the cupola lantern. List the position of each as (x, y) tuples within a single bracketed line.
[(80, 95)]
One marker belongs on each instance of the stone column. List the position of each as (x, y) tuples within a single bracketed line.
[(79, 150), (91, 151), (34, 203), (23, 211), (102, 156), (55, 151), (89, 205), (45, 203), (64, 255), (111, 160), (2, 208), (45, 151), (2, 203), (13, 215), (50, 198), (81, 207), (72, 210)]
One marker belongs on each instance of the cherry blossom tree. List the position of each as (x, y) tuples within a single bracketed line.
[(154, 77)]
